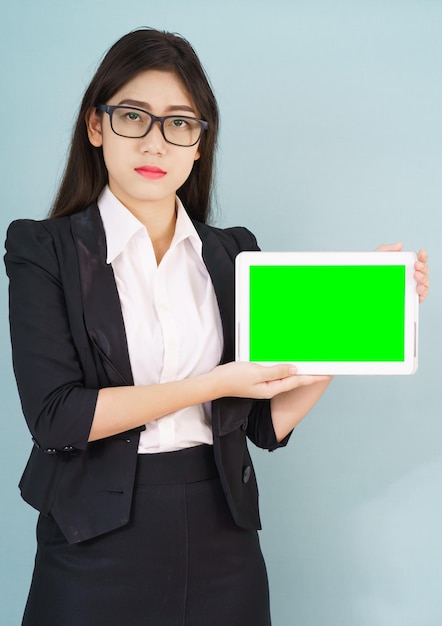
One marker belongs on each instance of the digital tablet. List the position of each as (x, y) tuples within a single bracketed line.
[(328, 312)]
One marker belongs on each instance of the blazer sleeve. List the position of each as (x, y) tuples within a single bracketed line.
[(260, 427), (58, 408)]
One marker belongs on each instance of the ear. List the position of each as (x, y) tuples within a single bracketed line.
[(197, 155), (94, 127)]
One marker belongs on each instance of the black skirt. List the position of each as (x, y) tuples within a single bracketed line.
[(181, 560)]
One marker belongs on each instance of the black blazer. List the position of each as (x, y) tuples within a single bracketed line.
[(68, 341)]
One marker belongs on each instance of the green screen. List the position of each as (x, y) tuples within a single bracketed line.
[(327, 313)]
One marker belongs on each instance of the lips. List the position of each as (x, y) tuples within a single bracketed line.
[(150, 171)]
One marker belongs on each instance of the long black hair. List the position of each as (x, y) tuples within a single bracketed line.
[(85, 174)]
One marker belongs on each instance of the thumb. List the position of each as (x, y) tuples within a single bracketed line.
[(390, 247), (276, 372)]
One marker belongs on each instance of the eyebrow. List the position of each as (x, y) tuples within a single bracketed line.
[(146, 106)]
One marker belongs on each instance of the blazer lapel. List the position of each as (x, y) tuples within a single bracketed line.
[(101, 304), (220, 266), (228, 414)]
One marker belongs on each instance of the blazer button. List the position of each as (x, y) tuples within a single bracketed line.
[(246, 473)]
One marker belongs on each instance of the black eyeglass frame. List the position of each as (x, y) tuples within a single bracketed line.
[(109, 109)]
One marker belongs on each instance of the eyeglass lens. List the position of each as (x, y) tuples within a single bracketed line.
[(182, 131)]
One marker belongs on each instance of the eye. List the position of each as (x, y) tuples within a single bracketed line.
[(178, 122), (132, 116)]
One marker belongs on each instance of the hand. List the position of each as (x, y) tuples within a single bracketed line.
[(422, 271), (250, 380)]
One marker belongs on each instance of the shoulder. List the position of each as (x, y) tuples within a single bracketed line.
[(56, 230), (40, 242), (241, 235), (26, 237), (237, 238), (41, 231)]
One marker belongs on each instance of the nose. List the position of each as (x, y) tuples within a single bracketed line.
[(154, 141)]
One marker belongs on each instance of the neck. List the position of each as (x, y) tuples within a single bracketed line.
[(158, 217)]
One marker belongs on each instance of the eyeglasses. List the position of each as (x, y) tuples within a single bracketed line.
[(179, 130)]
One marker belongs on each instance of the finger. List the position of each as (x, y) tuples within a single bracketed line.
[(422, 256), (292, 382), (311, 380), (422, 267), (422, 278), (422, 291), (278, 372)]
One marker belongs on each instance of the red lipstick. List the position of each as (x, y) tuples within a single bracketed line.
[(150, 171)]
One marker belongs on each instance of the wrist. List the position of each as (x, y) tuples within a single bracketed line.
[(215, 383)]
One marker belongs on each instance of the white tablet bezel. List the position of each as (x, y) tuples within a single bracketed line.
[(242, 307)]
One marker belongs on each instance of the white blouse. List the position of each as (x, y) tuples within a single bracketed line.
[(171, 316)]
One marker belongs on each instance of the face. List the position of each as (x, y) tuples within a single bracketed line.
[(146, 172)]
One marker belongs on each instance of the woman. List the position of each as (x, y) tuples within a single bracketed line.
[(121, 309)]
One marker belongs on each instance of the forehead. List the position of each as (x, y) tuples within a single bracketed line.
[(156, 88)]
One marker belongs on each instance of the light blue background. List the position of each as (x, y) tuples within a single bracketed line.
[(331, 140)]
